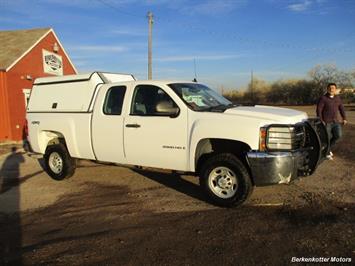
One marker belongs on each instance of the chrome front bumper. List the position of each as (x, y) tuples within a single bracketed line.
[(276, 168)]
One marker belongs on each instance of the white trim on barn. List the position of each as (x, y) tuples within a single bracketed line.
[(28, 50), (35, 44), (26, 94), (61, 46)]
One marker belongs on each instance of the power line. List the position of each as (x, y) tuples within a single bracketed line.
[(107, 4)]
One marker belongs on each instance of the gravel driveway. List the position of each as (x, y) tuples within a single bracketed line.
[(112, 215)]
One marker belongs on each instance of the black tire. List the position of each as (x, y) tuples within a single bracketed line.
[(225, 188), (55, 156)]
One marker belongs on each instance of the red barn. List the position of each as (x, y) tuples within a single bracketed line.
[(24, 56)]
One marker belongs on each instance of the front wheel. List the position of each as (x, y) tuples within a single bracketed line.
[(59, 164), (225, 180)]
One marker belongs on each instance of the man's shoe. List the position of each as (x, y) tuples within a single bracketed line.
[(331, 154), (329, 157)]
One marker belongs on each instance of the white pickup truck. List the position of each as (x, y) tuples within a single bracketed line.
[(182, 126)]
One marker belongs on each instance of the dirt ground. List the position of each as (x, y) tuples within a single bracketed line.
[(110, 215)]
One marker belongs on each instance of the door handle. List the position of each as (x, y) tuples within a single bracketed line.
[(133, 125)]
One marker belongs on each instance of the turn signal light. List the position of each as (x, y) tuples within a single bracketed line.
[(262, 139)]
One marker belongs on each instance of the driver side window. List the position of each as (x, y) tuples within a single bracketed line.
[(149, 100)]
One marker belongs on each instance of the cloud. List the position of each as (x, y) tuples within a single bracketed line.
[(300, 7), (98, 48), (11, 20), (83, 4), (42, 4), (197, 57), (129, 32), (80, 64), (318, 7), (212, 7)]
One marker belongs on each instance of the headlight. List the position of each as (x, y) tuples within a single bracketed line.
[(279, 137)]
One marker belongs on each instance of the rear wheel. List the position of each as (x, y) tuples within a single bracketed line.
[(226, 180), (59, 164)]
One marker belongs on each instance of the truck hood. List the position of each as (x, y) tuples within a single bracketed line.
[(269, 113)]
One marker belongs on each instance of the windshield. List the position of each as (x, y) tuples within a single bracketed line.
[(199, 97)]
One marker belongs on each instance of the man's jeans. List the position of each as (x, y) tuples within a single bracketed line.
[(334, 132)]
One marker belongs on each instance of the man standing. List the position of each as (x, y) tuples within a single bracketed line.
[(327, 110)]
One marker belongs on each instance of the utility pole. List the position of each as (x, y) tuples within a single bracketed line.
[(251, 87), (150, 25)]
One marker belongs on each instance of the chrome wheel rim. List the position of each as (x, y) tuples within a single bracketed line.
[(55, 162), (223, 182)]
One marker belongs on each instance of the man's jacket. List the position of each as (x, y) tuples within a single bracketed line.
[(328, 107)]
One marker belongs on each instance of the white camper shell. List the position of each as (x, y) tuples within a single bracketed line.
[(49, 95)]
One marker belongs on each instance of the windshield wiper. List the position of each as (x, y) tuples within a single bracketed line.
[(231, 105), (219, 108)]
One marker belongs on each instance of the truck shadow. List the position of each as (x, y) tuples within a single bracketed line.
[(10, 219), (79, 164), (174, 181)]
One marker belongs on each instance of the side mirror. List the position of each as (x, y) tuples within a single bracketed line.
[(166, 108)]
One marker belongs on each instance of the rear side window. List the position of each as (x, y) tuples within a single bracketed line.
[(114, 100)]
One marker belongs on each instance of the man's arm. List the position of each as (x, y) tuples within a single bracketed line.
[(342, 111), (320, 106)]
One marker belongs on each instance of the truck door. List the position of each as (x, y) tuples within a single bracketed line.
[(107, 125), (152, 136)]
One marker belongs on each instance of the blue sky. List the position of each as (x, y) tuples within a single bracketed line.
[(277, 39)]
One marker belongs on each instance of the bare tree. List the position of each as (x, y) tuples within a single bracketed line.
[(321, 75), (303, 91)]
